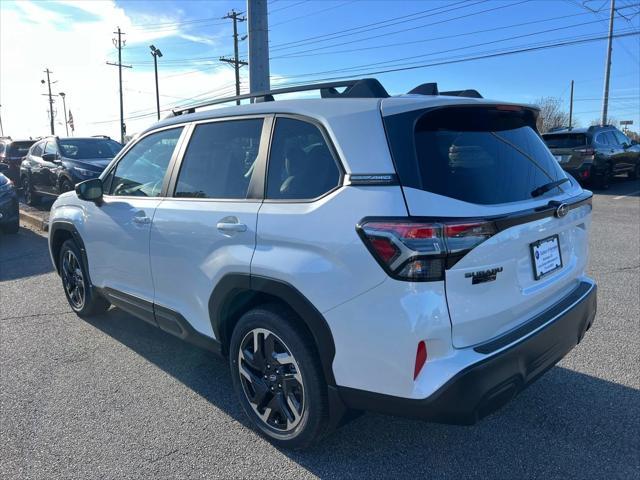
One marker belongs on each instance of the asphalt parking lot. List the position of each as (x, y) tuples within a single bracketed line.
[(114, 398)]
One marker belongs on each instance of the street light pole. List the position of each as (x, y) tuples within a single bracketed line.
[(64, 105), (155, 53)]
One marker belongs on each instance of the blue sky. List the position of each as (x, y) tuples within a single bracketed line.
[(323, 38)]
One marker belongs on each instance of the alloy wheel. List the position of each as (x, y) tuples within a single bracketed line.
[(271, 380), (73, 279), (26, 190)]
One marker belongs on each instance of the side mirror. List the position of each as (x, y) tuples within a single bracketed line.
[(90, 190), (4, 168), (50, 157)]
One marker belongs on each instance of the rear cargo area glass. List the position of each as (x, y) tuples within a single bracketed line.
[(565, 140), (483, 155)]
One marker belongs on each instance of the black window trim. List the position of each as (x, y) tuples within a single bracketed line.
[(256, 184), (167, 175), (334, 153)]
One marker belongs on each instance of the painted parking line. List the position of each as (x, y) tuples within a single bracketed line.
[(626, 195)]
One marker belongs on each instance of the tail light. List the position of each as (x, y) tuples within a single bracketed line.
[(587, 153), (417, 251)]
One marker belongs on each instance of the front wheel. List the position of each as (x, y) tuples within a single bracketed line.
[(75, 280), (277, 377), (635, 173), (66, 186)]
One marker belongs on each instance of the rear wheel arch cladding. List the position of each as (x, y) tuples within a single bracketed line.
[(225, 310)]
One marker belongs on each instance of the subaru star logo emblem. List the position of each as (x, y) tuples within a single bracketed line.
[(562, 210)]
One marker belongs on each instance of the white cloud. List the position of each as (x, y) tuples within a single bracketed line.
[(34, 36)]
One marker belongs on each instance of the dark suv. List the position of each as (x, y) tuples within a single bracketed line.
[(11, 153), (54, 165), (595, 154)]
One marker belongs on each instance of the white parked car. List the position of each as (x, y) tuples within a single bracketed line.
[(421, 255)]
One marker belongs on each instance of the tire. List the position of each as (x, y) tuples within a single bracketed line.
[(293, 411), (635, 173), (30, 197), (75, 280), (603, 180), (66, 186), (12, 228)]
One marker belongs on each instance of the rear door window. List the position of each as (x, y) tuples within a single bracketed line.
[(301, 165), (477, 155), (611, 138), (36, 151)]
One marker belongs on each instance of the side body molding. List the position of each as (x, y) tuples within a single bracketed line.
[(235, 292)]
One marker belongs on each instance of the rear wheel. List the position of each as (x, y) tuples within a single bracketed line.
[(277, 377), (30, 197), (75, 280), (602, 181)]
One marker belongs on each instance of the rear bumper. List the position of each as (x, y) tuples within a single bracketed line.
[(485, 386)]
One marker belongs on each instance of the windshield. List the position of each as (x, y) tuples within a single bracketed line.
[(565, 140), (88, 148), (477, 155), (19, 149)]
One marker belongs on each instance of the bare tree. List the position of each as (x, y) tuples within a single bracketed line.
[(552, 114), (610, 121)]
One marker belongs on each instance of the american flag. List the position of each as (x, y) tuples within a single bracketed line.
[(70, 122)]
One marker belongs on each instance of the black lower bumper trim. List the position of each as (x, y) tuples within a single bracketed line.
[(486, 386)]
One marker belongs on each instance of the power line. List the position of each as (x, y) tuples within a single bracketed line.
[(402, 59), (431, 39), (439, 22), (365, 26), (309, 14), (286, 7), (471, 58)]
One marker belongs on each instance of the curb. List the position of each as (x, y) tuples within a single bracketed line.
[(34, 221)]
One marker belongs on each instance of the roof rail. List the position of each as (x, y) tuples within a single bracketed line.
[(432, 89), (557, 129), (593, 127), (357, 88)]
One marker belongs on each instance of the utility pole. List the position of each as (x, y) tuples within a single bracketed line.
[(235, 61), (155, 53), (607, 66), (119, 44), (47, 71), (64, 105), (571, 106), (1, 129), (258, 46)]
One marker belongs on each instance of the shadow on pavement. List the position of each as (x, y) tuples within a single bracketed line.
[(619, 186), (23, 255), (567, 424)]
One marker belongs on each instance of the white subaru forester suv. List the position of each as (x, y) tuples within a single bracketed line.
[(421, 255)]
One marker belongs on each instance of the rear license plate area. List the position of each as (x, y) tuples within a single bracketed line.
[(546, 257)]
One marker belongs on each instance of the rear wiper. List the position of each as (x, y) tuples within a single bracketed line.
[(548, 186)]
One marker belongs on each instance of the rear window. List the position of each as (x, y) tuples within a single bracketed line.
[(89, 148), (565, 140), (19, 149), (477, 155)]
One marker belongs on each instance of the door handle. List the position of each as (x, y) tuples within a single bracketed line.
[(228, 225), (142, 220)]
